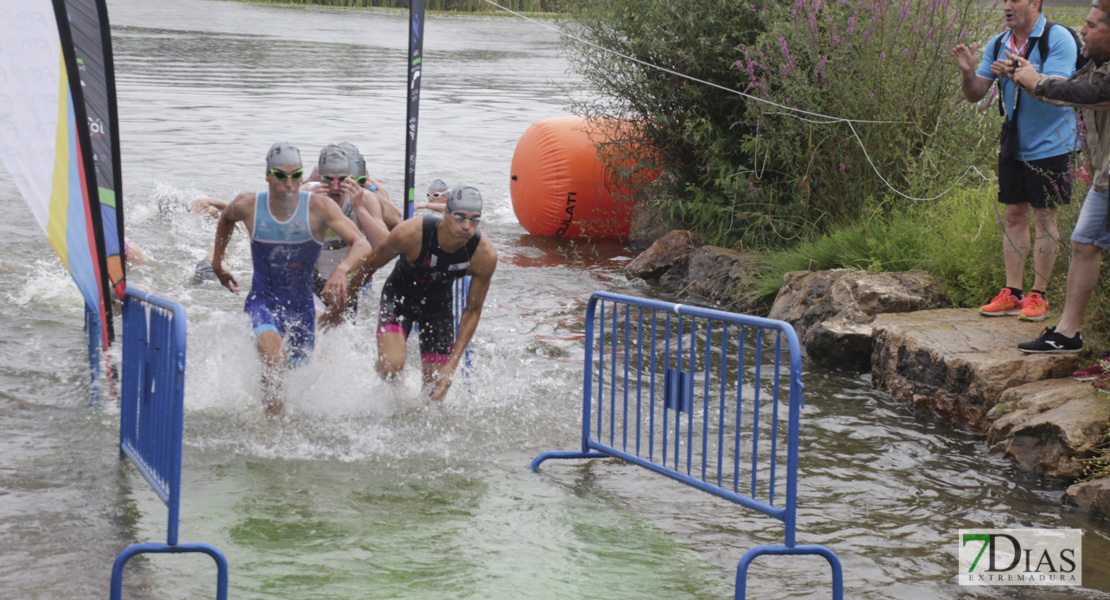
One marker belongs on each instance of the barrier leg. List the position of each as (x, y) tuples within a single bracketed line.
[(750, 555), (546, 455), (150, 548)]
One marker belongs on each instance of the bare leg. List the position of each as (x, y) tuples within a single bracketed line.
[(428, 370), (1015, 243), (1045, 246), (1082, 277), (273, 371), (391, 354)]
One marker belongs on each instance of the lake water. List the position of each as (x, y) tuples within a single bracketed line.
[(366, 492)]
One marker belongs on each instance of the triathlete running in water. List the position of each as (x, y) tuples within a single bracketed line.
[(336, 170), (434, 251), (376, 190), (286, 228)]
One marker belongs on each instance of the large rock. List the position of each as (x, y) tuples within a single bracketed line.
[(1093, 496), (955, 364), (1048, 426), (718, 275), (667, 252), (832, 311)]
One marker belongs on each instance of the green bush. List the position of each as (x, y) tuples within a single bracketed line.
[(693, 130), (883, 61), (764, 175)]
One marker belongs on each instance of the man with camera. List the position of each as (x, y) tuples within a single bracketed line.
[(1036, 144)]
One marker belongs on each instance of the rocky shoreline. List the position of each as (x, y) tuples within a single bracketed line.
[(949, 364)]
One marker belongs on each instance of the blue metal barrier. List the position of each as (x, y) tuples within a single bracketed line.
[(152, 414), (462, 287), (694, 394), (92, 328)]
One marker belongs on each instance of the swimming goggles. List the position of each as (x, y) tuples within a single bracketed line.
[(460, 217), (282, 175)]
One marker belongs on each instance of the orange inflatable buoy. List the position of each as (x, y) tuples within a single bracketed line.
[(560, 186)]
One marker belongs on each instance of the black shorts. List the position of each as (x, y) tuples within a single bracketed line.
[(405, 303), (1042, 183)]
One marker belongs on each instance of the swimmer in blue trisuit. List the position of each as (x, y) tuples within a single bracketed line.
[(434, 252), (336, 170), (286, 228)]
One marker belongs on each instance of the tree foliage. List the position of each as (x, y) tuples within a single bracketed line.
[(771, 168)]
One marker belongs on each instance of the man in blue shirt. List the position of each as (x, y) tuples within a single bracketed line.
[(1033, 163)]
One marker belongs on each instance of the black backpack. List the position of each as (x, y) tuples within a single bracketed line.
[(1042, 47), (1042, 44)]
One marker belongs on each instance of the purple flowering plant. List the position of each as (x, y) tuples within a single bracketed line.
[(886, 65)]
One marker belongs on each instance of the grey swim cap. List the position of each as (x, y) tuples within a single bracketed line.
[(281, 154), (465, 198), (438, 185), (334, 161), (350, 149), (358, 164), (358, 167)]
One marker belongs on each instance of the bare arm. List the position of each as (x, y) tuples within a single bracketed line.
[(390, 215), (134, 255), (208, 206), (379, 188), (369, 216), (481, 271), (238, 210), (405, 239), (973, 86), (436, 206)]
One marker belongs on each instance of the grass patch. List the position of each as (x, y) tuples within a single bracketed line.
[(957, 238)]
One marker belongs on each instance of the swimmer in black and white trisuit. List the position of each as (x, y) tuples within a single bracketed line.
[(434, 251), (337, 180), (286, 228)]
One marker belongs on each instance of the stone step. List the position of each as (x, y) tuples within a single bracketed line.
[(956, 365)]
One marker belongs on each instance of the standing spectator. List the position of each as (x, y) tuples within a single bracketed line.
[(1037, 140), (1089, 90)]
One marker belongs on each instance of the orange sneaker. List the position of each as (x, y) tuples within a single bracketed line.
[(1004, 304), (1033, 308)]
